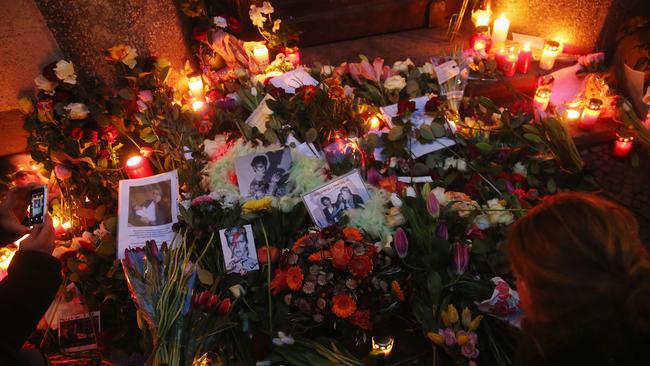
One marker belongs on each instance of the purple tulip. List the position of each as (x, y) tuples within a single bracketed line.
[(461, 257), (401, 243), (442, 231), (374, 177), (510, 187), (433, 206)]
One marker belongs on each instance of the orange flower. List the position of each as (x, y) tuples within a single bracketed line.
[(343, 305), (341, 255), (279, 282), (298, 243), (319, 256), (397, 290), (294, 278), (360, 266), (352, 234)]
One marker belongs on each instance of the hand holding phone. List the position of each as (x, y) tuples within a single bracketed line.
[(38, 205), (13, 214)]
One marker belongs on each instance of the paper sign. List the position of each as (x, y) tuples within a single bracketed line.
[(415, 179), (446, 71), (260, 115), (290, 81), (634, 85), (390, 111), (535, 42)]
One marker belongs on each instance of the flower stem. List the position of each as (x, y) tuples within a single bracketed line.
[(268, 275)]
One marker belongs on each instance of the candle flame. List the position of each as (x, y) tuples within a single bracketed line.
[(375, 122), (572, 114), (66, 225), (134, 160), (197, 105), (527, 46)]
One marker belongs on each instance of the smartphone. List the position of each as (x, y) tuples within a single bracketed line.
[(38, 205)]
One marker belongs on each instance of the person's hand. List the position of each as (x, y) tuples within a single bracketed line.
[(42, 237), (13, 211)]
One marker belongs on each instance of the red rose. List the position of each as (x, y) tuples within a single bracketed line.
[(200, 33), (110, 133), (341, 255), (361, 318), (405, 106), (93, 136), (49, 73), (277, 93), (432, 104), (234, 25), (214, 95), (262, 256)]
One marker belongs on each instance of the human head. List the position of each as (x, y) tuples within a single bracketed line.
[(346, 190), (578, 259), (155, 194), (325, 201), (259, 164), (237, 241)]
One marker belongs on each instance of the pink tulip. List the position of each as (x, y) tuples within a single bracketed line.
[(401, 243), (433, 206), (378, 66), (442, 231), (461, 257), (224, 307), (62, 172)]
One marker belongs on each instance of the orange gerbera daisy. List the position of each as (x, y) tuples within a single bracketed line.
[(298, 243), (360, 266), (319, 256), (343, 305), (294, 278), (352, 234), (397, 290)]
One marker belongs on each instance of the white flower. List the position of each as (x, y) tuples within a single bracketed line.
[(427, 68), (461, 165), (77, 110), (439, 192), (220, 22), (186, 204), (276, 25), (237, 291), (498, 216), (254, 91), (45, 85), (327, 70), (520, 169), (267, 8), (395, 82), (348, 91), (65, 71), (403, 66), (482, 221), (395, 200), (283, 339), (256, 16), (410, 192)]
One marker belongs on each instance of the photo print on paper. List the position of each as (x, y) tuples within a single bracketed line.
[(239, 252), (263, 174)]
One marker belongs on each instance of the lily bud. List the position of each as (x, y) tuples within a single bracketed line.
[(461, 257), (401, 243), (410, 192), (442, 231), (466, 317), (445, 318), (475, 323), (436, 338), (433, 206), (452, 313), (426, 188)]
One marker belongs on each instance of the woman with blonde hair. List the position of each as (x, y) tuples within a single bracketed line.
[(583, 277)]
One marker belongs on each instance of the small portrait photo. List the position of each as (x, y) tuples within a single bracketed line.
[(264, 174), (326, 204), (238, 246), (77, 332), (150, 204)]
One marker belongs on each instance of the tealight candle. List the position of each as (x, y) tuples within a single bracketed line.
[(261, 54), (375, 123), (195, 84), (60, 227), (572, 115), (523, 60), (138, 167), (500, 31), (197, 105), (549, 54), (590, 114), (623, 145), (542, 97), (293, 55)]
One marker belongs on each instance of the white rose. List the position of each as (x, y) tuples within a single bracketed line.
[(403, 66), (267, 8), (410, 192), (461, 165), (220, 22), (77, 110), (65, 71), (254, 91), (439, 192), (450, 162), (395, 82), (497, 216), (520, 169), (482, 221), (237, 291), (427, 68), (395, 200), (129, 59), (45, 85)]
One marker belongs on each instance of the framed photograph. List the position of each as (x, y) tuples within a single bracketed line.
[(239, 252), (327, 203), (148, 207), (77, 332), (263, 174)]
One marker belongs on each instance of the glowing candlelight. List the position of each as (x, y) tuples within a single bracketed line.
[(197, 105), (480, 41), (60, 227), (509, 65), (523, 60), (590, 114), (481, 17), (623, 145), (572, 115), (500, 57), (375, 123), (542, 98), (549, 54), (138, 167), (195, 83), (500, 31), (261, 55), (293, 55), (383, 345)]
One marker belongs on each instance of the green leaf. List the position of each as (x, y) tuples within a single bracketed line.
[(438, 130), (434, 286), (426, 132), (530, 129), (206, 277), (488, 104), (533, 138), (484, 147), (395, 133)]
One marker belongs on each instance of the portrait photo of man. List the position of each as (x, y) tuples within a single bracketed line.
[(238, 248), (266, 174), (150, 205)]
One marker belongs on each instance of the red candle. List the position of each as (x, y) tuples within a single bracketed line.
[(623, 145), (500, 57), (293, 55), (481, 41), (138, 167), (523, 61), (509, 65)]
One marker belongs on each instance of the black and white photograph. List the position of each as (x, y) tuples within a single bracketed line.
[(263, 174), (148, 207), (327, 204), (238, 246), (77, 332)]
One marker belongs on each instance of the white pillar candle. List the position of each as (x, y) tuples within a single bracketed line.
[(549, 54), (261, 54), (500, 31), (542, 97), (195, 83), (590, 114)]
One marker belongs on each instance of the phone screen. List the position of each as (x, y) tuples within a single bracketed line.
[(37, 206)]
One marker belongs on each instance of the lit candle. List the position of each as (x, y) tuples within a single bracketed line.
[(500, 57), (509, 65), (549, 54), (542, 97), (481, 41), (382, 346), (623, 145), (523, 60), (293, 55), (590, 114), (60, 227), (572, 115), (500, 31), (138, 167), (197, 105), (481, 17), (375, 123), (195, 83), (261, 54)]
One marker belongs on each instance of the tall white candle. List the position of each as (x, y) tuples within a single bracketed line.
[(500, 31), (542, 97), (549, 54), (261, 54)]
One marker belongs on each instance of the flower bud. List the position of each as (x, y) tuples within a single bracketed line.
[(452, 313), (466, 317), (401, 243), (410, 192), (461, 257), (442, 231), (475, 323), (436, 338), (462, 339), (433, 206), (224, 307)]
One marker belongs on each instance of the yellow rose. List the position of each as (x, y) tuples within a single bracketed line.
[(256, 205)]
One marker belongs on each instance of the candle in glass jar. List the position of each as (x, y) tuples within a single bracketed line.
[(572, 115), (500, 31), (138, 167), (261, 54), (480, 41), (500, 57), (481, 17), (542, 97), (623, 145), (523, 60), (509, 65), (293, 55), (195, 84), (549, 54), (590, 114)]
